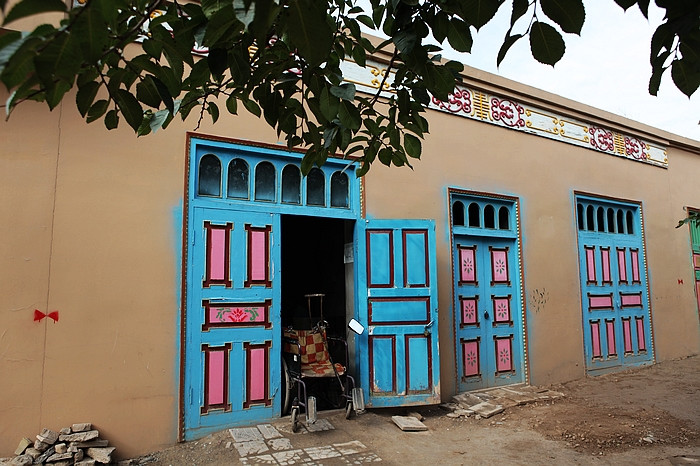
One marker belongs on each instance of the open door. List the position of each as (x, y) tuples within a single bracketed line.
[(396, 283)]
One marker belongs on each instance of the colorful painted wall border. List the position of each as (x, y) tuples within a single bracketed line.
[(509, 113)]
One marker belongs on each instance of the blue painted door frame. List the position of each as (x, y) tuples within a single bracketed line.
[(396, 301), (230, 353), (614, 292)]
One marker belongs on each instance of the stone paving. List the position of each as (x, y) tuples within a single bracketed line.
[(275, 444), (265, 444)]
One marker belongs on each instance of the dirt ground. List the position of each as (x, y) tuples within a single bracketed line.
[(649, 415)]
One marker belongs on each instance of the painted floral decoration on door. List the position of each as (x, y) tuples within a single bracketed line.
[(467, 266), (502, 311), (500, 266), (471, 358), (504, 356), (236, 314)]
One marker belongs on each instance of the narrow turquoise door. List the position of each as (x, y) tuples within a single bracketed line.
[(487, 291), (397, 303), (232, 368), (488, 318), (616, 319)]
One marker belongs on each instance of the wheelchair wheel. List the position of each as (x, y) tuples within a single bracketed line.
[(295, 418), (348, 409), (287, 388)]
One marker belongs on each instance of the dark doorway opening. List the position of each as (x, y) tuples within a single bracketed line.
[(312, 250), (312, 263)]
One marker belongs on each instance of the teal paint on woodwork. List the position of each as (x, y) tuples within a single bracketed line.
[(614, 284), (398, 355), (231, 269), (488, 297)]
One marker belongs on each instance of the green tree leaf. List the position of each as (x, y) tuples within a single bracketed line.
[(412, 145), (685, 76), (309, 31), (459, 36), (546, 43), (507, 44), (439, 81), (568, 14), (479, 12), (344, 91), (111, 120), (147, 92), (520, 7), (91, 28), (27, 8), (86, 96), (130, 108), (97, 110)]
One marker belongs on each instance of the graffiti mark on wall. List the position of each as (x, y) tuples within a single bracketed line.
[(538, 299), (39, 316)]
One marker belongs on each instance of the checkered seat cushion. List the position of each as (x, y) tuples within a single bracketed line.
[(315, 360)]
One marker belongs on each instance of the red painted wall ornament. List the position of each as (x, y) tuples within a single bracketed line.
[(39, 316)]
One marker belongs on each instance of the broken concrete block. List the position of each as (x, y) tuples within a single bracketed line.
[(86, 462), (48, 436), (61, 448), (41, 446), (22, 460), (449, 406), (59, 457), (23, 444), (452, 415), (82, 427), (101, 455), (64, 431), (42, 458), (467, 399), (33, 452), (97, 443), (417, 415), (408, 423), (463, 412), (487, 409), (80, 436), (78, 455)]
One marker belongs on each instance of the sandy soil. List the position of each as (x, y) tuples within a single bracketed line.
[(643, 416)]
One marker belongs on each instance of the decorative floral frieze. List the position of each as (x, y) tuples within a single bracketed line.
[(506, 112)]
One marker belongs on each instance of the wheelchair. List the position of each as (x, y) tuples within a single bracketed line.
[(307, 359)]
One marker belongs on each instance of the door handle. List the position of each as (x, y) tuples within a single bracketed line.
[(426, 328), (486, 315)]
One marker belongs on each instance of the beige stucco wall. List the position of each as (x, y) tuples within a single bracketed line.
[(92, 228), (544, 174)]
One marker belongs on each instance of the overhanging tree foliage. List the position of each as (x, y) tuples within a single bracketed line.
[(280, 59)]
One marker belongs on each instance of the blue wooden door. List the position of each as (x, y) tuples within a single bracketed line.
[(232, 368), (488, 314), (397, 303), (616, 319)]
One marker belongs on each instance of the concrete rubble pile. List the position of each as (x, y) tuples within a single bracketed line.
[(78, 445), (485, 403)]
